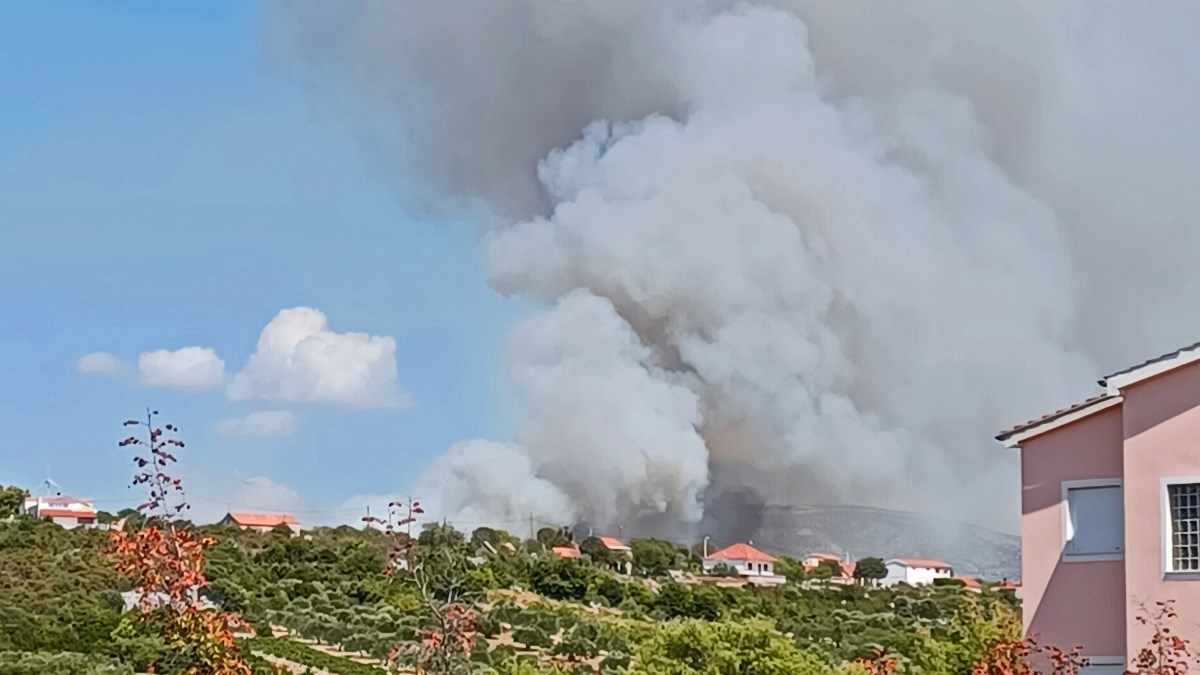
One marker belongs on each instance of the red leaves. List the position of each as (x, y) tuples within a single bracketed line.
[(1166, 653), (1008, 656), (165, 566), (879, 663)]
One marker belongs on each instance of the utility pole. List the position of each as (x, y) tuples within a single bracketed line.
[(531, 525), (369, 516), (706, 546)]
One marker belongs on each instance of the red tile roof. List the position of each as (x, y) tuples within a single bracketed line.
[(848, 570), (971, 582), (65, 513), (263, 519), (613, 544), (742, 552), (928, 563), (825, 556), (566, 551)]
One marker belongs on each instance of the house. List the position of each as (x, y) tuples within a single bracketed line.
[(814, 560), (571, 551), (971, 584), (63, 510), (845, 573), (622, 554), (915, 571), (1110, 510), (262, 522), (749, 563)]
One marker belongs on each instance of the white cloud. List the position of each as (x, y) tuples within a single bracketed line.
[(99, 363), (261, 424), (190, 368), (299, 360)]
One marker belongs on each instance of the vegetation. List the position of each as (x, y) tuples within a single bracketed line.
[(401, 596)]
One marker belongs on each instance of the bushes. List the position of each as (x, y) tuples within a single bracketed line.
[(307, 656), (60, 663)]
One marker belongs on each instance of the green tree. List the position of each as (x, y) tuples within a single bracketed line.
[(551, 537), (561, 579), (653, 557), (11, 499), (440, 536), (870, 570), (790, 568), (754, 647), (595, 549)]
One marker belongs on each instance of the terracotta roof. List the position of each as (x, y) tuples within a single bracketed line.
[(613, 544), (1038, 421), (742, 552), (970, 582), (263, 519), (1158, 359), (65, 513), (848, 570), (825, 556), (566, 551), (922, 562)]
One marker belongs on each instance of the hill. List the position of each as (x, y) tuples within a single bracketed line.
[(865, 531)]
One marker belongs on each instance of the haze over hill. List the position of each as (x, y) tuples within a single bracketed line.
[(865, 531)]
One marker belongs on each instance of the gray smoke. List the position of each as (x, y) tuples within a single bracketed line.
[(788, 251)]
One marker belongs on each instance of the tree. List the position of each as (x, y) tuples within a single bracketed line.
[(823, 571), (790, 568), (653, 557), (441, 535), (164, 562), (870, 570), (11, 499), (561, 579), (1167, 653), (553, 537), (494, 538), (595, 549), (692, 647)]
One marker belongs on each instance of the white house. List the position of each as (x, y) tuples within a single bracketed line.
[(63, 510), (915, 571), (750, 564)]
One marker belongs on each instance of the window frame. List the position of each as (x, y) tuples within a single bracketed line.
[(1166, 527), (1119, 661), (1065, 528)]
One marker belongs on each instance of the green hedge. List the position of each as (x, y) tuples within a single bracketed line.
[(307, 656), (61, 663)]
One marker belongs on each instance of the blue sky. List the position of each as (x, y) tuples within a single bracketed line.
[(164, 186)]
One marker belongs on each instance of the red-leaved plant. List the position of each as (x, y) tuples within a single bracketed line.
[(1007, 656), (878, 663), (444, 645), (165, 562), (398, 529), (1167, 653)]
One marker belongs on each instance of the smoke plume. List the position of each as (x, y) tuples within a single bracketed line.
[(785, 251)]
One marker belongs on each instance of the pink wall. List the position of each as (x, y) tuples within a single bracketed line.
[(1076, 603), (1162, 427)]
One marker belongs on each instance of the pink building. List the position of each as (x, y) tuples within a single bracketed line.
[(1110, 510)]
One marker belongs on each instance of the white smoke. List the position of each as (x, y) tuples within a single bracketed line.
[(817, 251)]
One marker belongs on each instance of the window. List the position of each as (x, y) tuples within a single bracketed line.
[(1093, 523), (1183, 502), (1104, 665)]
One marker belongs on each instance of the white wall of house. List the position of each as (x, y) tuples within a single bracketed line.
[(743, 567), (899, 572)]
